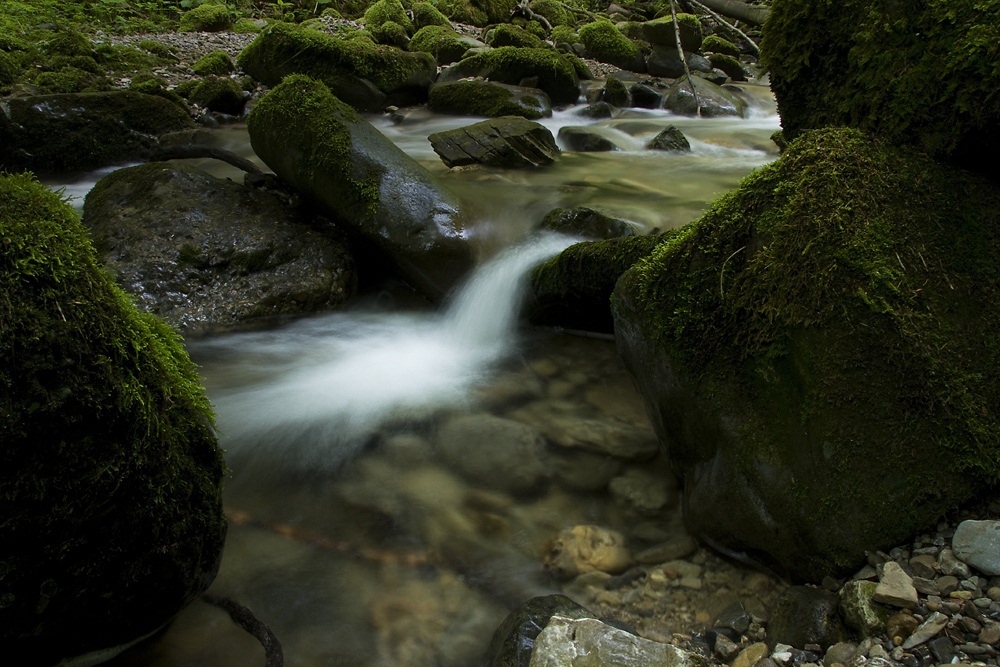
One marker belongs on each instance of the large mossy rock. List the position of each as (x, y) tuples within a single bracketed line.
[(546, 68), (922, 74), (366, 75), (476, 97), (110, 476), (383, 197), (84, 130), (819, 353), (206, 253), (605, 43)]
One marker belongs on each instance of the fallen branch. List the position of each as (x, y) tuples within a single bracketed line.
[(726, 23), (741, 11), (578, 10), (680, 51), (196, 151), (243, 617), (524, 10)]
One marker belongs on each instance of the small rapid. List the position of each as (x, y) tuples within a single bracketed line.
[(311, 394)]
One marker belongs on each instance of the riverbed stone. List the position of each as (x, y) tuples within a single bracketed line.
[(508, 142), (330, 153), (628, 442), (586, 548), (494, 452), (713, 100), (756, 417), (478, 97), (645, 492), (76, 131), (861, 613), (977, 543), (895, 587), (585, 139), (670, 139), (110, 470), (206, 253), (587, 222), (590, 643), (805, 615), (514, 639)]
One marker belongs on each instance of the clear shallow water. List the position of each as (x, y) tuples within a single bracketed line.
[(353, 536)]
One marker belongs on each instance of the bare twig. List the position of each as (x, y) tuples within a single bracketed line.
[(523, 9), (722, 271), (680, 51), (729, 25), (243, 617)]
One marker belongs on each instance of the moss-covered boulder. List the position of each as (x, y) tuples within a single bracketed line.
[(442, 42), (206, 18), (214, 62), (508, 34), (819, 352), (476, 97), (922, 74), (425, 14), (508, 142), (110, 475), (477, 12), (728, 64), (545, 68), (716, 44), (220, 94), (664, 31), (206, 253), (364, 74), (389, 201), (85, 130), (385, 11), (604, 42), (573, 289)]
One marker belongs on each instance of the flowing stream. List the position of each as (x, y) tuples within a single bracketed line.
[(357, 533)]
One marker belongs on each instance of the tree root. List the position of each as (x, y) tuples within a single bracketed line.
[(196, 151), (243, 617)]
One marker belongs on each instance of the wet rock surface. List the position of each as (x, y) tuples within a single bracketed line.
[(508, 142)]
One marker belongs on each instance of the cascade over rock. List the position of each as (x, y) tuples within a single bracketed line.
[(205, 253), (326, 150), (818, 353)]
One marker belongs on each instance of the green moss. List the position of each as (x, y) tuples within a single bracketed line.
[(564, 34), (220, 94), (921, 75), (66, 43), (158, 49), (716, 44), (506, 34), (246, 27), (604, 42), (111, 474), (383, 11), (391, 33), (71, 80), (484, 98), (477, 12), (615, 92), (662, 31), (731, 66), (554, 12), (149, 84), (329, 139), (509, 64), (9, 69), (206, 18), (214, 62), (425, 14), (440, 41)]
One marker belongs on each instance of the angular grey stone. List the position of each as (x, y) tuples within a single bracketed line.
[(951, 565), (509, 141), (977, 544), (934, 624), (895, 587), (670, 139), (860, 610)]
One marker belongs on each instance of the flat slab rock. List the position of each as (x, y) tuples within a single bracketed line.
[(510, 142)]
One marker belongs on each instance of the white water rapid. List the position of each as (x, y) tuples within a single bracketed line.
[(321, 387)]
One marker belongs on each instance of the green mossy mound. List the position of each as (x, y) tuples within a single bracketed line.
[(507, 34), (214, 62), (221, 94), (391, 33), (716, 44), (553, 11), (819, 352), (479, 13), (110, 475), (662, 31), (440, 41), (384, 11), (425, 14), (607, 44), (921, 74), (573, 289), (487, 98), (343, 65), (510, 64), (564, 34), (206, 18), (728, 64)]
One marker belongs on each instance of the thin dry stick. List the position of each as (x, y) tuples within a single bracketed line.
[(243, 617), (523, 9), (726, 23), (199, 151), (680, 51)]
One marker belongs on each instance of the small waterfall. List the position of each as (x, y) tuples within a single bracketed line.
[(319, 388)]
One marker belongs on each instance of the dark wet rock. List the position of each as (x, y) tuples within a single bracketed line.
[(597, 110), (586, 222), (666, 62), (509, 142), (477, 97), (379, 194), (804, 615), (206, 253), (802, 336), (663, 32), (442, 42), (84, 130), (366, 75), (585, 139), (546, 69), (714, 100), (492, 451), (573, 289), (646, 96), (616, 93), (109, 467), (514, 639), (669, 139), (220, 94)]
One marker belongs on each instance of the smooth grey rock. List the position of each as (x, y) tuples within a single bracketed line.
[(714, 100), (585, 140), (509, 142), (950, 565), (514, 639), (590, 643), (977, 543), (895, 587), (934, 624), (669, 139), (584, 221)]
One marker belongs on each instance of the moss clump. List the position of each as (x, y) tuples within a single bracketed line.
[(391, 33), (425, 14), (149, 84), (716, 44), (66, 43), (485, 98), (553, 11), (220, 94), (71, 80), (9, 69), (214, 62), (442, 42), (731, 66), (511, 65), (564, 34), (158, 49), (477, 12), (616, 93), (245, 27), (384, 11), (506, 34), (604, 42), (206, 18), (841, 306), (573, 289), (110, 474), (922, 74), (662, 31)]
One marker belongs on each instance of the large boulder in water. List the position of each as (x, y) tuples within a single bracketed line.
[(110, 476), (508, 142), (711, 100), (75, 131), (366, 75), (206, 253), (546, 69), (921, 74), (820, 352), (476, 97), (331, 154)]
